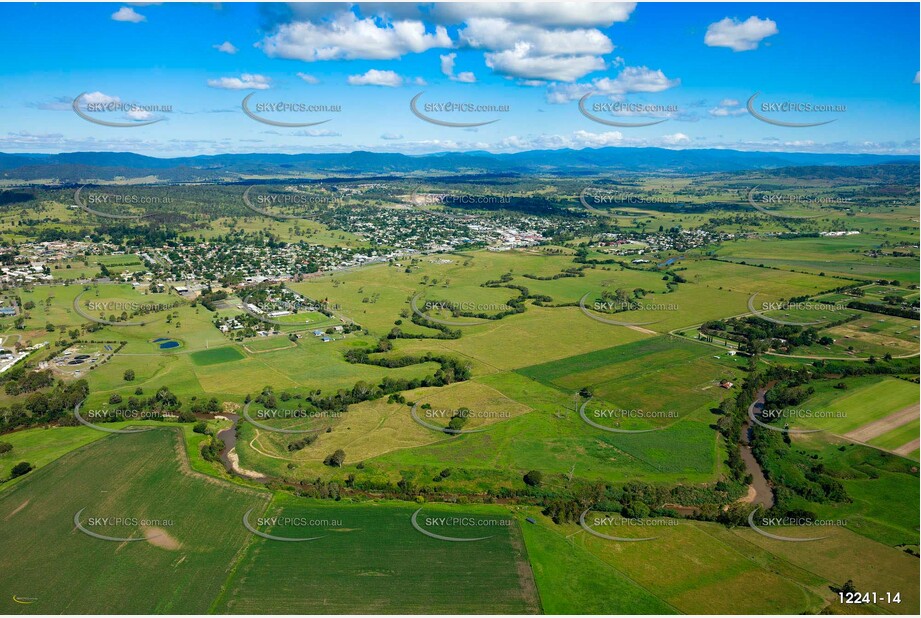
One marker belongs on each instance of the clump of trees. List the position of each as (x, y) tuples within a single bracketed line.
[(335, 459)]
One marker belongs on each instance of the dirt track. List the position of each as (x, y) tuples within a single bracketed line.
[(884, 425), (905, 449)]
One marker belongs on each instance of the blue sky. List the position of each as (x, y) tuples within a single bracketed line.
[(697, 65)]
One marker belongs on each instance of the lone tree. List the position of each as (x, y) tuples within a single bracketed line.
[(533, 478), (23, 467), (336, 459), (5, 447), (129, 375)]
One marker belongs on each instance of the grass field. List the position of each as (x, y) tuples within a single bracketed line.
[(662, 375), (216, 356), (370, 559), (866, 399), (129, 476), (711, 569)]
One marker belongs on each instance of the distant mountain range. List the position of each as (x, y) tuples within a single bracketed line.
[(89, 166)]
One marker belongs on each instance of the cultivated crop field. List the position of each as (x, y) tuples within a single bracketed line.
[(145, 477), (370, 556)]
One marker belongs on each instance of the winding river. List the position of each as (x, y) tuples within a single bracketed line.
[(760, 492), (229, 455)]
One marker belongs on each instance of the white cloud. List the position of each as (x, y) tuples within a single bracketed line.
[(226, 47), (392, 136), (375, 77), (739, 36), (629, 80), (447, 64), (675, 139), (345, 37), (139, 114), (246, 81), (447, 67), (500, 34), (126, 13), (519, 62), (532, 52), (98, 98), (563, 14), (728, 107), (310, 79), (917, 78), (316, 133)]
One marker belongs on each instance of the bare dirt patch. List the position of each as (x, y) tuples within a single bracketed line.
[(159, 537)]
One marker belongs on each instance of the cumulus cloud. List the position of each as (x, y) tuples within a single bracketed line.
[(98, 98), (346, 37), (226, 47), (520, 62), (246, 81), (739, 36), (126, 13), (728, 107), (562, 14), (629, 80), (374, 77), (447, 67), (531, 52), (498, 34)]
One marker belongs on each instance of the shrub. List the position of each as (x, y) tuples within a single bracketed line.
[(533, 478)]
